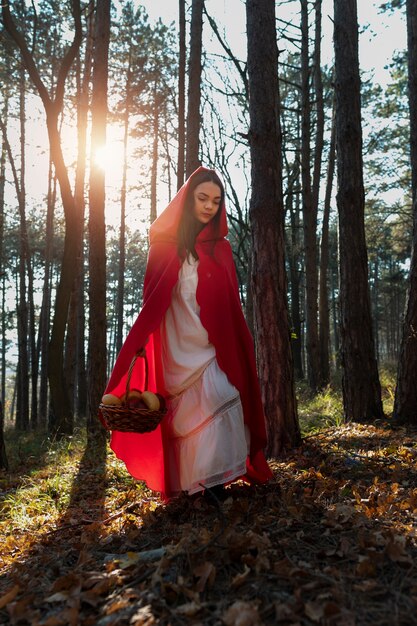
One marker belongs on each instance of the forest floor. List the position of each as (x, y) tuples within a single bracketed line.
[(331, 540)]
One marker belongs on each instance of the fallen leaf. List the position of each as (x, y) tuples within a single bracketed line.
[(189, 609), (239, 579), (206, 572), (241, 614), (314, 610), (9, 596)]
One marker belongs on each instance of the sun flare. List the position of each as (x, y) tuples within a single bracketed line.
[(103, 158)]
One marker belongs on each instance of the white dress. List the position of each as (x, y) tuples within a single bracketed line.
[(207, 440)]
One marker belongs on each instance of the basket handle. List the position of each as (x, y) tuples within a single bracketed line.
[(141, 352)]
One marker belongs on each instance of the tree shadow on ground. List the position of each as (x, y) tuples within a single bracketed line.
[(57, 553)]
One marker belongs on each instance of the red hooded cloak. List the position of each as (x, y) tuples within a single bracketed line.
[(221, 315)]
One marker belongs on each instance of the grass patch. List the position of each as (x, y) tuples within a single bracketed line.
[(325, 409), (37, 488), (388, 379), (320, 411)]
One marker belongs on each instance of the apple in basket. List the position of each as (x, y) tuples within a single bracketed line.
[(110, 400), (162, 402), (134, 400), (143, 400)]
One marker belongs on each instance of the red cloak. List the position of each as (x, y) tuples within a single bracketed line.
[(220, 313)]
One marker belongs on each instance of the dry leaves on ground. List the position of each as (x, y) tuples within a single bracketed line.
[(331, 540)]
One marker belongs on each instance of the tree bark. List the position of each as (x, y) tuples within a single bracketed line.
[(194, 88), (97, 235), (181, 94), (324, 313), (74, 357), (122, 230), (309, 211), (155, 153), (269, 287), (405, 405), (361, 387), (3, 456), (294, 275), (44, 318)]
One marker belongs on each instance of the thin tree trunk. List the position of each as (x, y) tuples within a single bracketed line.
[(269, 286), (361, 387), (406, 393), (44, 320), (194, 88), (324, 313), (294, 274), (122, 232), (3, 456), (4, 464), (76, 332), (3, 155), (97, 236), (154, 168), (22, 417), (181, 94), (309, 211), (318, 90)]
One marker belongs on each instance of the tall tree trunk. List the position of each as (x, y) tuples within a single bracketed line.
[(194, 88), (155, 152), (309, 211), (294, 274), (406, 393), (96, 225), (76, 331), (324, 313), (22, 415), (375, 305), (44, 319), (181, 94), (122, 231), (3, 155), (361, 387), (269, 287), (3, 456)]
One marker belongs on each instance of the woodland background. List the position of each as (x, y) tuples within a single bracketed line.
[(71, 283), (103, 113)]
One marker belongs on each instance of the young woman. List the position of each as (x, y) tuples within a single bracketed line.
[(200, 354)]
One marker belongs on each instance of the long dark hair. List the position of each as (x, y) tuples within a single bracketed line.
[(189, 227)]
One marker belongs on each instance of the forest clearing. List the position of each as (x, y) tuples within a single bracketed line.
[(331, 540)]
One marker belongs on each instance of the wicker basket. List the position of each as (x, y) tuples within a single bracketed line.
[(129, 419)]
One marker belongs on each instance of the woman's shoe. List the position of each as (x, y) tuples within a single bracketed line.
[(216, 493)]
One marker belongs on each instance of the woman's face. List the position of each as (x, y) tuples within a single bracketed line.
[(207, 198)]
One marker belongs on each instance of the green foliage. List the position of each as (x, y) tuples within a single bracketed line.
[(46, 472), (392, 5), (323, 410), (387, 377)]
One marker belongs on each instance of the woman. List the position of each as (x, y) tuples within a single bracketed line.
[(200, 354)]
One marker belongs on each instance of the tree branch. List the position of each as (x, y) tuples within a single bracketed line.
[(28, 60), (225, 47)]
